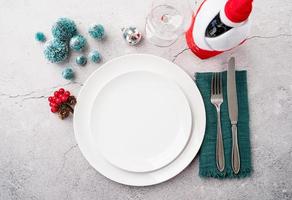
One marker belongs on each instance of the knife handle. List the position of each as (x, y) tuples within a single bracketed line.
[(220, 161), (235, 150)]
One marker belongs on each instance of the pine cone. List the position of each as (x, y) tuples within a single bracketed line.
[(70, 109), (64, 113), (71, 100)]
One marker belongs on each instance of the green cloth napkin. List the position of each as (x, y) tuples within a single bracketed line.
[(207, 152)]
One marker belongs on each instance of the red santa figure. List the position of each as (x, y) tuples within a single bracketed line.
[(218, 26)]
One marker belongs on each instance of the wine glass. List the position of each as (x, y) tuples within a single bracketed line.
[(167, 20)]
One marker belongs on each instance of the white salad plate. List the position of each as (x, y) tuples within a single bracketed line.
[(139, 120)]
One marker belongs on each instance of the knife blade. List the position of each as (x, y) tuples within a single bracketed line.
[(231, 92), (233, 113)]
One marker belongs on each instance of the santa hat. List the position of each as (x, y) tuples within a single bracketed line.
[(236, 12)]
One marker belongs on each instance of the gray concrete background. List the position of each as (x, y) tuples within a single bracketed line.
[(39, 157)]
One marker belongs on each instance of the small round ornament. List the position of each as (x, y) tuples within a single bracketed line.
[(56, 51), (95, 56), (132, 35), (81, 60), (40, 37), (77, 42), (68, 73), (64, 29), (97, 31)]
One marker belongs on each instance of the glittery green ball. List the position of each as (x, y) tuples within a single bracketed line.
[(81, 60), (68, 73), (56, 51), (95, 56), (64, 29), (97, 31), (77, 42), (40, 37)]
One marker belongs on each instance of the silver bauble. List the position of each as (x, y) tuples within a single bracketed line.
[(132, 35)]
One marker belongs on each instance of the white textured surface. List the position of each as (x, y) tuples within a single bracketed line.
[(39, 158)]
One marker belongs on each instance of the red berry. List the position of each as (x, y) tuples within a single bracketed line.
[(64, 98), (56, 93), (54, 99), (52, 104), (50, 99), (54, 109), (60, 95), (58, 101), (61, 90), (67, 93)]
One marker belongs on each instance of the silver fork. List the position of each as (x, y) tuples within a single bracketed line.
[(217, 100)]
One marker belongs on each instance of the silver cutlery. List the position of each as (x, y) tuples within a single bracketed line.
[(217, 100), (233, 113)]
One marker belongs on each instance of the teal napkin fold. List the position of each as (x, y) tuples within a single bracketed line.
[(207, 152)]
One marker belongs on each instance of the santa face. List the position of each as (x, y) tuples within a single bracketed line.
[(216, 27)]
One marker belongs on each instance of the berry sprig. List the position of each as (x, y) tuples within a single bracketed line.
[(62, 102)]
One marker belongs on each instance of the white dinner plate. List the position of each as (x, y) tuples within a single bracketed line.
[(140, 121), (113, 96)]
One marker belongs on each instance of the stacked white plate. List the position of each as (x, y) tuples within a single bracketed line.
[(139, 120)]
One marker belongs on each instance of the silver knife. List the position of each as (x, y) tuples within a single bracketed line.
[(233, 113)]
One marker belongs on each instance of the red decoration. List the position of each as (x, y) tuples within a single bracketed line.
[(61, 102)]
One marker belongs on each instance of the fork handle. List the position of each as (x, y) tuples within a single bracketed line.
[(235, 150), (220, 161)]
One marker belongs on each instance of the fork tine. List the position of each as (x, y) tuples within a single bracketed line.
[(212, 84), (221, 87), (214, 89), (216, 83)]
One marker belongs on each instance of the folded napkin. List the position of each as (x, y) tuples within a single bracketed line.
[(207, 152)]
